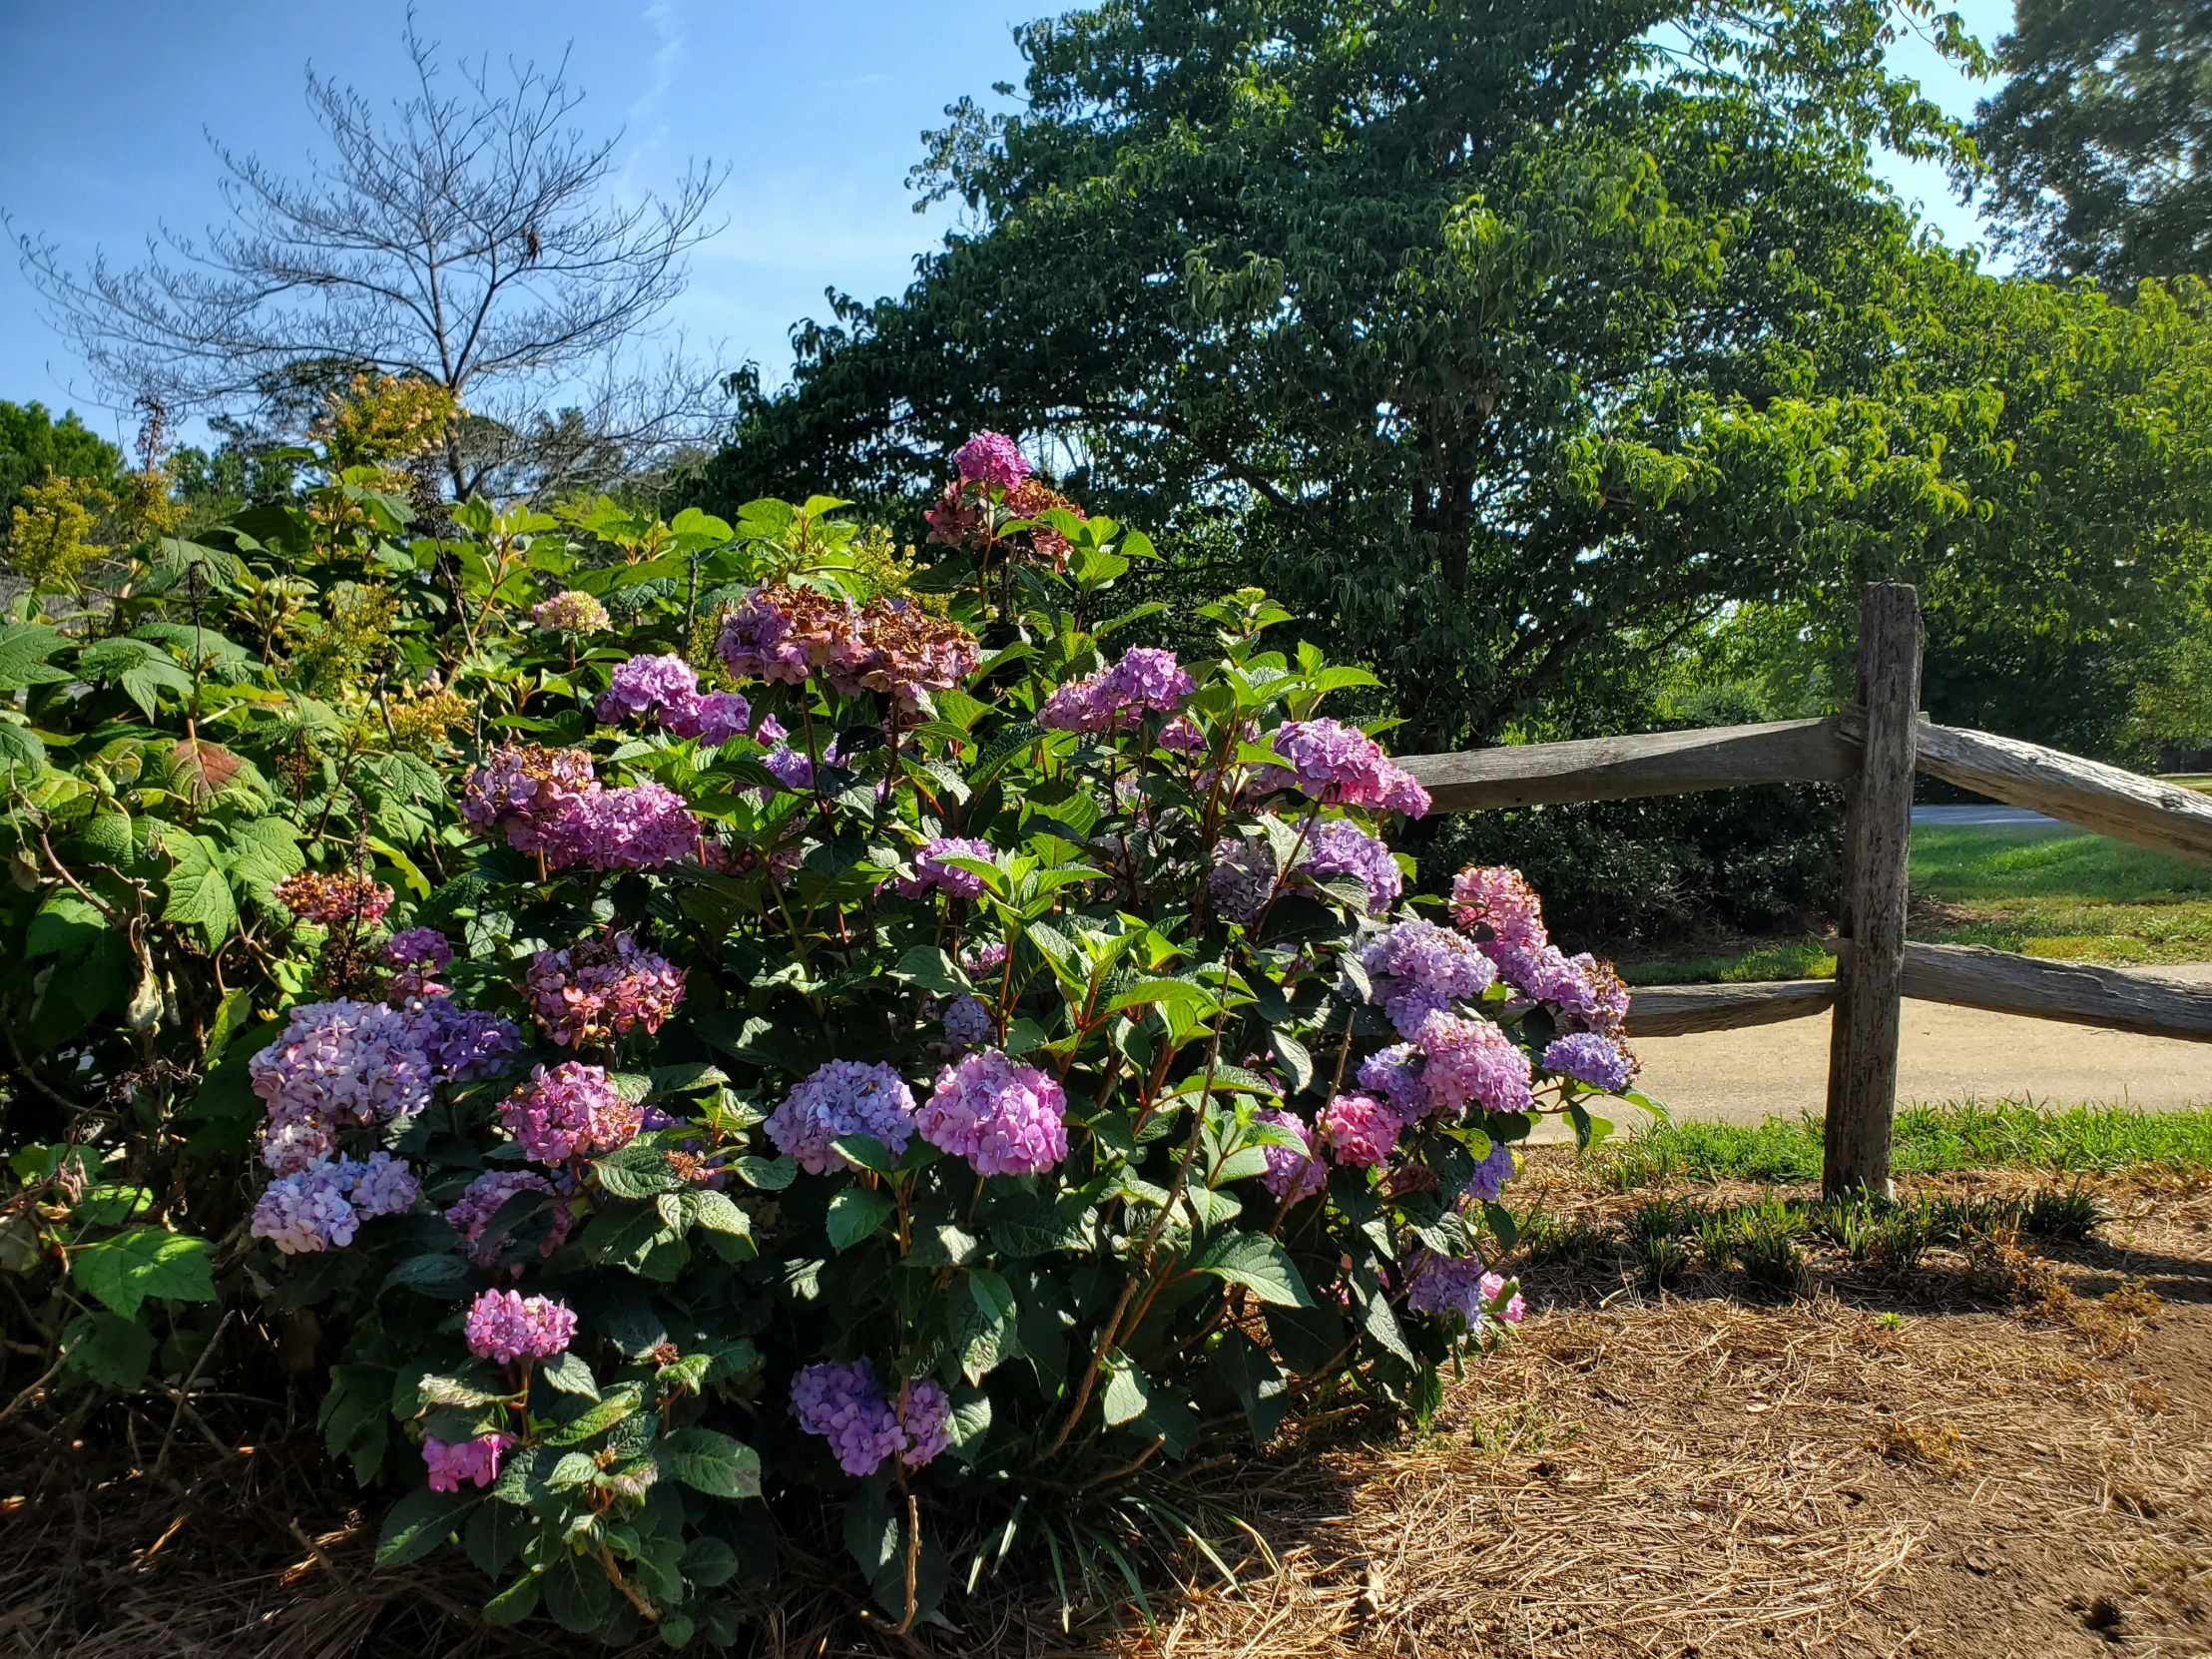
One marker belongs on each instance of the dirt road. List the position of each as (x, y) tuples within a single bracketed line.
[(1946, 1054)]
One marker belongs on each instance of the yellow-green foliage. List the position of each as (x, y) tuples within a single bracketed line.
[(50, 536)]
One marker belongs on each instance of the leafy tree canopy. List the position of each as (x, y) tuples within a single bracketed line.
[(1487, 337), (2099, 143), (33, 443)]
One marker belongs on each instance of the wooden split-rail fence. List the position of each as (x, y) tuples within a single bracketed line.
[(1872, 749)]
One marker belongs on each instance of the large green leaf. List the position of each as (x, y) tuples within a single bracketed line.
[(712, 1462), (108, 1349), (1257, 1263), (198, 892), (142, 1262), (419, 1524)]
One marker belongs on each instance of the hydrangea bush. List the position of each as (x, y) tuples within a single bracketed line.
[(877, 1041)]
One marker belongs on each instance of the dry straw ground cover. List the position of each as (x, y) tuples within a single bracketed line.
[(2002, 1455)]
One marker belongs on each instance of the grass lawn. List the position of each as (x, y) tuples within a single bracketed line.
[(2041, 890)]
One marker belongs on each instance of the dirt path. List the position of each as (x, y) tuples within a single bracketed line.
[(1946, 1054)]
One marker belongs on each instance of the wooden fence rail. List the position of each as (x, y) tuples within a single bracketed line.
[(1873, 748)]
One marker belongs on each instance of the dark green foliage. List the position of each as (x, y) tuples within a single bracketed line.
[(2098, 138), (33, 443)]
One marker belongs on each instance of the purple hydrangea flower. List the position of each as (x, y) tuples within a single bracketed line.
[(1146, 680), (1492, 1174), (321, 1206), (1419, 968), (504, 1326), (992, 458), (1472, 1062), (569, 1112), (967, 1023), (639, 827), (464, 1043), (339, 1063), (1393, 1075), (524, 791), (1001, 1116), (662, 688), (980, 961), (1590, 1058), (473, 1211), (476, 1461), (930, 870), (715, 718), (842, 1097), (1293, 1172), (1337, 846), (415, 955), (1242, 879), (1333, 762), (1357, 1129), (1460, 1289), (844, 1404)]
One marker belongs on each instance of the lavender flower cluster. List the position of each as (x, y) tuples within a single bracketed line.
[(572, 1111), (1146, 681), (1242, 876), (842, 1097), (414, 956), (321, 1206), (1341, 763), (601, 988), (337, 1064), (665, 690), (931, 870), (1003, 1117), (846, 1406), (472, 1211), (549, 801)]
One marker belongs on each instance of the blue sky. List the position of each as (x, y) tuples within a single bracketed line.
[(817, 109)]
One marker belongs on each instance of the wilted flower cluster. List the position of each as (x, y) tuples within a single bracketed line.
[(601, 988), (347, 898), (506, 1327), (842, 1097), (1145, 681), (1341, 763), (570, 612), (522, 789), (320, 1207), (1003, 1117), (891, 645), (472, 1212), (846, 1406), (572, 1111)]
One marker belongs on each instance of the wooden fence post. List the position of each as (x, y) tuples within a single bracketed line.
[(1863, 1055)]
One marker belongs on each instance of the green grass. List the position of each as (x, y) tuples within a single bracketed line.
[(2060, 892), (1927, 1140), (1806, 959)]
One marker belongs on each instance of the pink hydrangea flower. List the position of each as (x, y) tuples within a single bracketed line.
[(337, 1063), (1358, 1130), (601, 988), (524, 791), (569, 1112), (1472, 1062), (1336, 762), (1146, 680), (473, 1211), (506, 1327), (649, 688), (476, 1461), (1500, 899), (1001, 1116), (992, 458), (642, 827)]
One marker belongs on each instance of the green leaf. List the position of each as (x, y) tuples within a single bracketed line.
[(1128, 1391), (981, 1323), (712, 1462), (21, 752), (24, 648), (636, 1172), (263, 850), (108, 1349), (419, 1524), (144, 1262), (513, 1604), (613, 1407), (1259, 1264), (1256, 1381), (856, 1213), (868, 1153), (931, 968), (569, 1373), (198, 894), (769, 1175), (714, 1211)]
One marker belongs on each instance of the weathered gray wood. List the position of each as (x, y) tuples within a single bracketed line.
[(2112, 801), (1679, 1010), (1863, 1071), (1969, 977), (1616, 768)]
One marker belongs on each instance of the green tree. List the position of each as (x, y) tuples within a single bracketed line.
[(2099, 143), (33, 443), (1490, 340)]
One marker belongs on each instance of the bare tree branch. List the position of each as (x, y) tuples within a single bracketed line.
[(466, 238)]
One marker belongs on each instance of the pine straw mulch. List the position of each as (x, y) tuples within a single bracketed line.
[(2003, 1459)]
